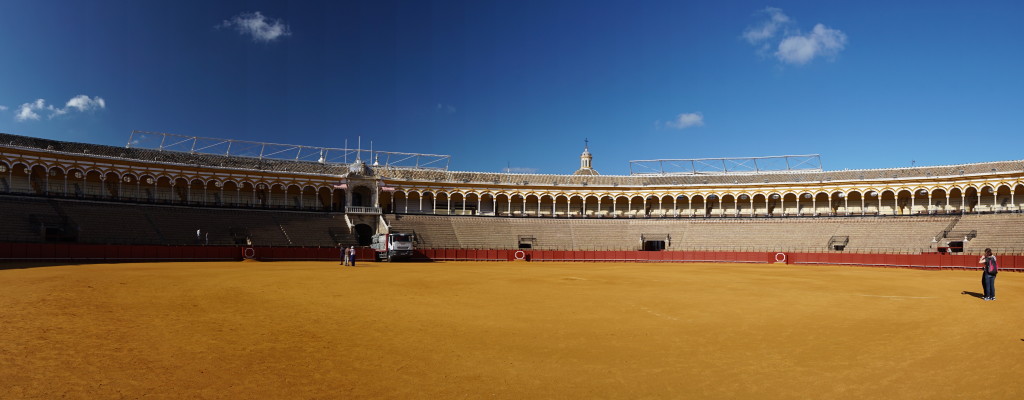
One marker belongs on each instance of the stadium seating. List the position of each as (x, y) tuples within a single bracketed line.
[(18, 213), (114, 223), (866, 234), (111, 204), (110, 223), (431, 232), (1000, 232)]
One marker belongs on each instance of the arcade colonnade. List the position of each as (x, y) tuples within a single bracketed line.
[(883, 200), (207, 188), (158, 183)]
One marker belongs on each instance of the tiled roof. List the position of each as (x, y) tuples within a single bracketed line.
[(447, 177)]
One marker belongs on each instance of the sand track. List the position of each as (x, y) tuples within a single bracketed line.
[(506, 330)]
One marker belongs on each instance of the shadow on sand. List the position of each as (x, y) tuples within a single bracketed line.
[(975, 294)]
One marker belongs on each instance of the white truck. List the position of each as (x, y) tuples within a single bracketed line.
[(392, 246)]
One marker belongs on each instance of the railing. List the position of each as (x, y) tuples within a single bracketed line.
[(362, 210), (290, 152), (949, 228), (732, 165), (840, 241), (749, 249), (683, 214)]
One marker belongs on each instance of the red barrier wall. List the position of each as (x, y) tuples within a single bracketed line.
[(57, 252)]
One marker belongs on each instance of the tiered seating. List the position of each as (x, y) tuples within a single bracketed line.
[(431, 232), (610, 234), (905, 234), (867, 234), (310, 231), (179, 224), (110, 223), (102, 222), (803, 234), (17, 215), (1003, 233), (341, 234)]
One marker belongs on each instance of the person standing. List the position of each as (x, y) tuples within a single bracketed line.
[(988, 275), (352, 256), (343, 251)]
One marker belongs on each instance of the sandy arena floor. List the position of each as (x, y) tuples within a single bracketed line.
[(461, 330)]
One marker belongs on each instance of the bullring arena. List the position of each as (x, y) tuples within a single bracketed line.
[(151, 272)]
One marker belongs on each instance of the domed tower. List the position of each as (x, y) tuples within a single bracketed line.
[(586, 167)]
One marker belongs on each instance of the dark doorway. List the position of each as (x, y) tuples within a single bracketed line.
[(362, 197), (364, 234), (654, 245)]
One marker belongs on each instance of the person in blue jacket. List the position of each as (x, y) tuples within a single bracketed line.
[(988, 275)]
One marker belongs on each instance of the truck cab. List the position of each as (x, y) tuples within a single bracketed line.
[(392, 246)]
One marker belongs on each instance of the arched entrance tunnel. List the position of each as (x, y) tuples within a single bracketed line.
[(364, 234)]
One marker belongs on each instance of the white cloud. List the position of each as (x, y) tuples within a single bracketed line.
[(767, 29), (3, 108), (256, 25), (27, 111), (80, 103), (793, 47), (822, 41), (686, 120), (84, 103)]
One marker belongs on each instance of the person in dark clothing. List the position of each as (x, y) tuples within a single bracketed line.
[(988, 275)]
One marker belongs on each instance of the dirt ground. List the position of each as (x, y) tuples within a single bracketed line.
[(467, 330)]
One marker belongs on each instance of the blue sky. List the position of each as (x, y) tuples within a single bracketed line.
[(496, 83)]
